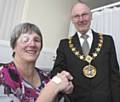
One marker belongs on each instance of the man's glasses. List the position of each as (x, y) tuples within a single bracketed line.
[(83, 16)]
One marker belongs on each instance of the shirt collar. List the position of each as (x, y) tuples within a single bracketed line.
[(89, 33)]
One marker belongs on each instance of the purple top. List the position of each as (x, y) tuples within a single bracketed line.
[(13, 88)]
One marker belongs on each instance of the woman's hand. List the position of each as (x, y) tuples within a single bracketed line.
[(63, 81)]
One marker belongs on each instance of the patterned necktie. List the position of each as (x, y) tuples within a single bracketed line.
[(85, 45)]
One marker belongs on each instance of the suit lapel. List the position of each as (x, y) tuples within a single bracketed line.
[(76, 43), (94, 43)]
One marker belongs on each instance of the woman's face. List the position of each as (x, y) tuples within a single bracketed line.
[(28, 47)]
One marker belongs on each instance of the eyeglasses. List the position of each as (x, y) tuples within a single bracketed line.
[(25, 38), (83, 16)]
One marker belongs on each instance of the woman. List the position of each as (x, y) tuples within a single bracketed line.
[(20, 80)]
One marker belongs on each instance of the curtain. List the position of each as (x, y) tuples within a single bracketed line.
[(10, 15), (106, 21)]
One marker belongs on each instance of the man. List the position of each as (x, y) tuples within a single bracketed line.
[(95, 70)]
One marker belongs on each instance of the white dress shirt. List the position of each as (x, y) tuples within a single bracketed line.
[(89, 39)]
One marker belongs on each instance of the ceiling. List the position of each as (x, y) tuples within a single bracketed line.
[(98, 3)]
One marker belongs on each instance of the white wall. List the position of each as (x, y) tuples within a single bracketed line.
[(52, 16)]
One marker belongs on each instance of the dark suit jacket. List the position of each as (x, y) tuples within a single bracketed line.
[(104, 87)]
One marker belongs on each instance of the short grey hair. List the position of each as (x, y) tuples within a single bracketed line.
[(21, 29)]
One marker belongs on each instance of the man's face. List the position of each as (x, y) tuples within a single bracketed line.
[(81, 17)]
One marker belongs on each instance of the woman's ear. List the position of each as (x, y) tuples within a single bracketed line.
[(13, 54)]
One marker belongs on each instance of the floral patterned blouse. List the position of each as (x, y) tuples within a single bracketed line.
[(13, 88)]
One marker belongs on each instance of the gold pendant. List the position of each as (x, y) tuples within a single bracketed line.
[(88, 58), (89, 71)]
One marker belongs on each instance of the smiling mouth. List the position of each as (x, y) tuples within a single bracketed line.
[(31, 51)]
